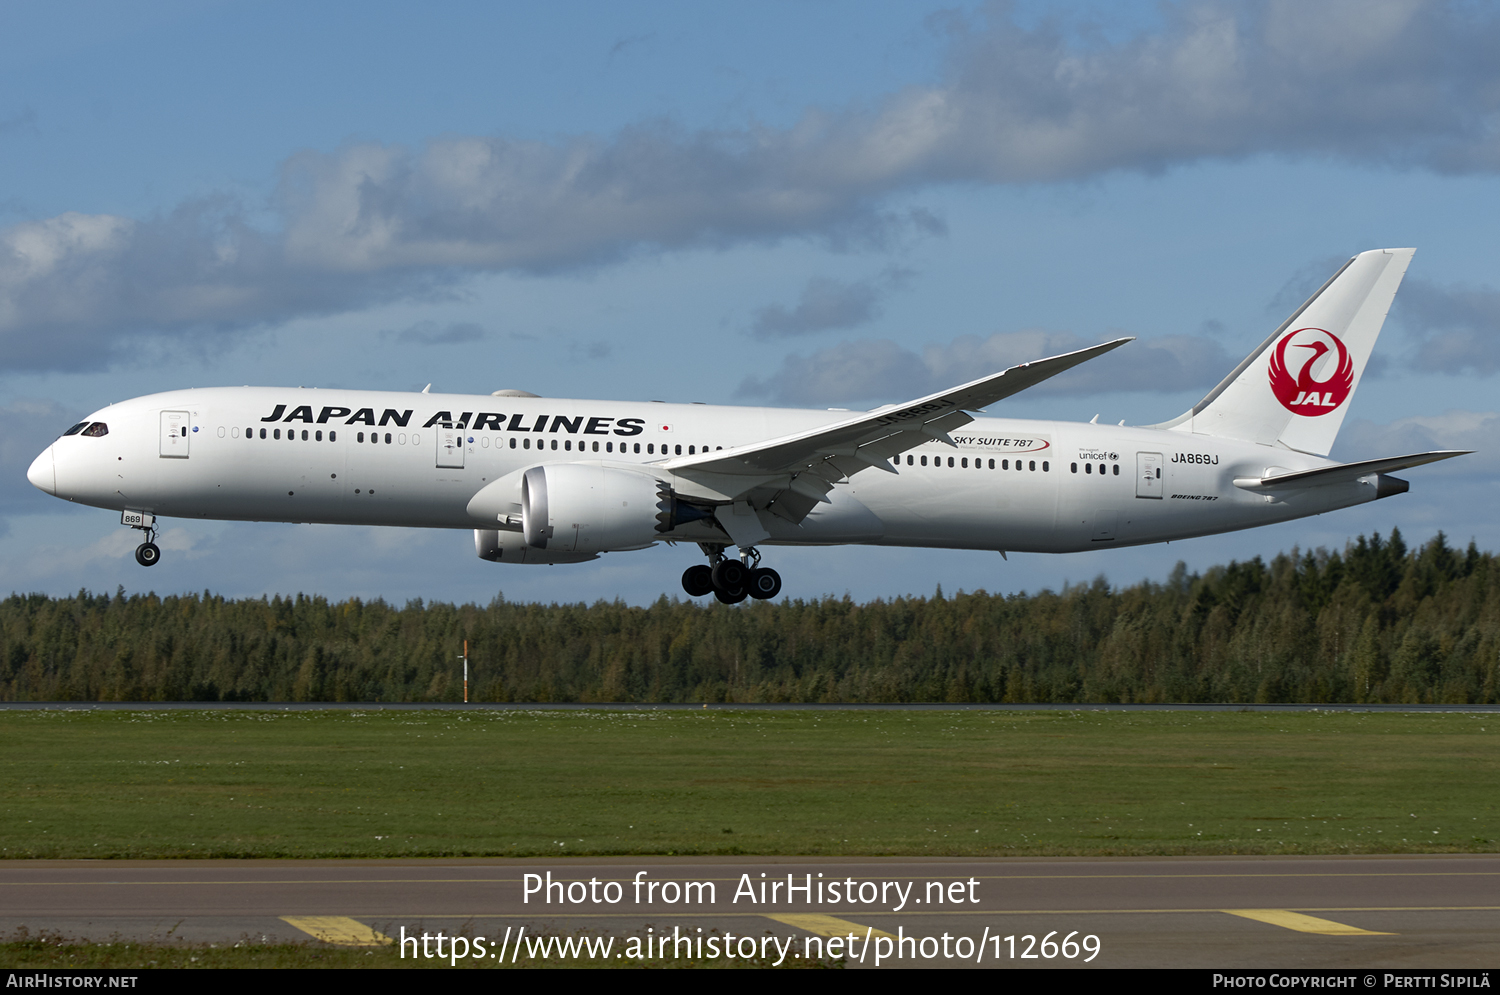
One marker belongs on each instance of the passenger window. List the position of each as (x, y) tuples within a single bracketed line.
[(924, 460), (1005, 464), (1088, 468), (1117, 469), (304, 435), (262, 433), (526, 443), (554, 445), (637, 447), (333, 437), (388, 438), (360, 437), (596, 447), (650, 449), (679, 451), (950, 461), (318, 435), (691, 450), (609, 447), (966, 463), (992, 464), (1046, 467), (1075, 467), (1033, 464), (568, 445), (512, 442), (276, 434)]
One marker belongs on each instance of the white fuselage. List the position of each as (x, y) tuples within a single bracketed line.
[(383, 458)]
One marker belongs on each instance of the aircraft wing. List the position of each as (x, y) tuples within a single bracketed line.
[(809, 463)]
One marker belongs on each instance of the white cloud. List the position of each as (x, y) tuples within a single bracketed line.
[(430, 333), (1474, 430), (1457, 326), (879, 371), (827, 304), (1374, 82), (46, 563), (26, 428)]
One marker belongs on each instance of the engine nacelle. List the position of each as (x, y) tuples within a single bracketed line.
[(510, 547), (587, 508)]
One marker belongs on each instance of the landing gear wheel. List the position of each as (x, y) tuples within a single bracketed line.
[(147, 555), (698, 581), (731, 597), (765, 583), (730, 575)]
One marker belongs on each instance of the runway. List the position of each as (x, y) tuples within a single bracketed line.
[(1439, 911)]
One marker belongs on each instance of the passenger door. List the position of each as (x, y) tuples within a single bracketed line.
[(176, 432), (450, 448), (1148, 475)]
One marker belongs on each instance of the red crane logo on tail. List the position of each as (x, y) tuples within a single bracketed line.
[(1300, 393)]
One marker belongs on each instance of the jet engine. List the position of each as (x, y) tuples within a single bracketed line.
[(510, 547), (587, 508)]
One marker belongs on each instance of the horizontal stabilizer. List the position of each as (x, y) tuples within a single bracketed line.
[(1344, 472)]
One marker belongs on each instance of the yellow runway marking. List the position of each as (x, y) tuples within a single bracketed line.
[(1302, 923), (339, 930), (826, 925)]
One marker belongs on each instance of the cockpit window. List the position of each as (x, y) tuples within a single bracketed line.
[(76, 429), (97, 429)]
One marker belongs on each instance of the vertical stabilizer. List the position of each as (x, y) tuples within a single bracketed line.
[(1295, 389)]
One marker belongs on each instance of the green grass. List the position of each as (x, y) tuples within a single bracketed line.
[(940, 783)]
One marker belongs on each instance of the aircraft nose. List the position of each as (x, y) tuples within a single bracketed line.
[(43, 472)]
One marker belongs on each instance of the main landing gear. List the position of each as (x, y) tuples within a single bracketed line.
[(730, 580)]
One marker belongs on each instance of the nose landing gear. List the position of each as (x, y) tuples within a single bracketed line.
[(731, 580), (147, 554)]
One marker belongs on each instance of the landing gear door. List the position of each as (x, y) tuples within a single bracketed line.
[(176, 431), (450, 448), (1149, 468)]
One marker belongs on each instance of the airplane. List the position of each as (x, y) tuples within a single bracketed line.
[(552, 481)]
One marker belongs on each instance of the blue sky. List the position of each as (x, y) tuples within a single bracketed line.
[(804, 203)]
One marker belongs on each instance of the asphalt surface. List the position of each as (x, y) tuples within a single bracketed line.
[(365, 706), (1439, 911)]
